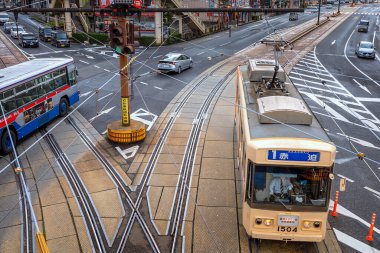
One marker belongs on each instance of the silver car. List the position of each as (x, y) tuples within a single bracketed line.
[(365, 49), (174, 62)]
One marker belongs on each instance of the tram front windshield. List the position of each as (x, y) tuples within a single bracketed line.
[(307, 186)]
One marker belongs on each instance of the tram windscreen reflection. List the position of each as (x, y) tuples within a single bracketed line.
[(291, 185)]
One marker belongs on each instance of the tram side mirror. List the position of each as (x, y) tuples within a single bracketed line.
[(342, 184), (331, 176)]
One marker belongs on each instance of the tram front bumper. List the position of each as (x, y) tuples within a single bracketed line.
[(300, 237)]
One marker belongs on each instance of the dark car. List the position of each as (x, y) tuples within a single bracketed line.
[(293, 16), (363, 26), (44, 33), (28, 40), (60, 39), (8, 26)]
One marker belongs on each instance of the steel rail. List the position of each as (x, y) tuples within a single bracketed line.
[(189, 158), (27, 224), (88, 210), (121, 185)]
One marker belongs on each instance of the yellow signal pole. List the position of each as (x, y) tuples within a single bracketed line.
[(125, 130)]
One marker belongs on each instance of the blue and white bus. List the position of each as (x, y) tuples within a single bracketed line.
[(33, 93)]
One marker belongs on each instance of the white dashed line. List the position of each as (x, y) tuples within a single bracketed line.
[(105, 96), (158, 88), (84, 62), (200, 53), (225, 44), (107, 70), (143, 83), (348, 179), (372, 190), (157, 56), (96, 66)]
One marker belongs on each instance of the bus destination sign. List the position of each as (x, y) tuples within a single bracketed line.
[(293, 155)]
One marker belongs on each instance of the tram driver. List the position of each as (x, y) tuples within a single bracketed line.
[(283, 186)]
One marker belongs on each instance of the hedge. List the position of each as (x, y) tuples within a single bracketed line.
[(174, 38), (92, 38), (146, 40)]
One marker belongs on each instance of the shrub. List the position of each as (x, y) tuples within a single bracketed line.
[(174, 38), (146, 40)]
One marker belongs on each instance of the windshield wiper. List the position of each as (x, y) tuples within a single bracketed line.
[(287, 207)]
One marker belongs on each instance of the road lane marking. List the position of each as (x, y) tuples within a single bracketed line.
[(144, 83), (105, 96), (374, 36), (225, 44), (101, 113), (107, 70), (372, 190), (84, 62), (354, 243), (157, 56), (200, 53), (129, 152), (158, 88), (348, 179), (332, 43), (361, 86), (96, 66), (346, 212), (345, 54), (90, 57), (84, 94), (369, 99), (359, 141)]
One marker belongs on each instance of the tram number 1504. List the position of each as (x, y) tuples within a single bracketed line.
[(286, 229)]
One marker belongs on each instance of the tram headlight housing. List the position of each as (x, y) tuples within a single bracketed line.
[(259, 221), (307, 224), (268, 222), (312, 225)]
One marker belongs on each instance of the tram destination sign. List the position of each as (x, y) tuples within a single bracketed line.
[(293, 155)]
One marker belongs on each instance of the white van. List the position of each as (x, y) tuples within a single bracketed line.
[(4, 17)]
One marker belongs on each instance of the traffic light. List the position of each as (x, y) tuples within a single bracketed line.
[(132, 38), (117, 40)]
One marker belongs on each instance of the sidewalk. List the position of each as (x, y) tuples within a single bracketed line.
[(9, 52)]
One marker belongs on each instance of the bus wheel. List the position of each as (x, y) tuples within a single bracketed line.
[(6, 143), (63, 106)]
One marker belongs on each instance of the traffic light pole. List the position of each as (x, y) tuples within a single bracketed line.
[(125, 116), (125, 130)]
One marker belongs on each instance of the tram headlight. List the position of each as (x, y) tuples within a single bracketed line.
[(268, 222), (307, 224), (259, 221), (317, 224)]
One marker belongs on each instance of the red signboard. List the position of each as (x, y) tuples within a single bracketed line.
[(137, 4)]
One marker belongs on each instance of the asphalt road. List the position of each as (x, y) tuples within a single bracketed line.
[(152, 91), (348, 107)]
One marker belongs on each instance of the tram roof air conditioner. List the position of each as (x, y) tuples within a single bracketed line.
[(288, 110), (264, 69)]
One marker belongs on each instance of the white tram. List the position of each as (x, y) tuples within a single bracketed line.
[(285, 167)]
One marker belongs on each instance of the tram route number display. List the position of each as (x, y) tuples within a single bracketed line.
[(286, 229)]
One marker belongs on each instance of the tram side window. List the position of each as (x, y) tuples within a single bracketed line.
[(250, 174)]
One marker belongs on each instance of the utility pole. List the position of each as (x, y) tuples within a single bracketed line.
[(319, 10), (338, 6)]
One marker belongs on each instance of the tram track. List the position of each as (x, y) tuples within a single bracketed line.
[(188, 162), (258, 246), (94, 228), (27, 242), (122, 186)]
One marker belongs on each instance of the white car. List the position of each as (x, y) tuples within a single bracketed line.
[(175, 62), (4, 17), (14, 32)]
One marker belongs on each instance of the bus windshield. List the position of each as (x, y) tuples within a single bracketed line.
[(307, 186)]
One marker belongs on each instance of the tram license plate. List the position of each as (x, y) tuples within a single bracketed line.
[(288, 221), (286, 229)]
